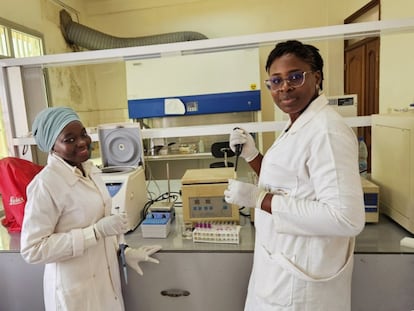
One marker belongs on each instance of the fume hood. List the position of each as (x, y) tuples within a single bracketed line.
[(219, 82)]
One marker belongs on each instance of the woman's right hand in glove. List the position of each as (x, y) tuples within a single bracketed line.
[(111, 225), (134, 256), (242, 137)]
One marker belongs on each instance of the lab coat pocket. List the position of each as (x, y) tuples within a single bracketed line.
[(76, 298), (273, 283), (289, 266)]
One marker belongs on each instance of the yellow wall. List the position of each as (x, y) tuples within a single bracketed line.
[(214, 18), (232, 18), (227, 18), (397, 65)]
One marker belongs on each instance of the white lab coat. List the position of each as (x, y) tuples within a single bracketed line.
[(303, 256), (80, 273)]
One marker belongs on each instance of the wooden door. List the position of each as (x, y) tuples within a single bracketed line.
[(372, 81), (355, 73), (362, 78)]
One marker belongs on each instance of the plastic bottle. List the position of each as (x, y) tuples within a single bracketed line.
[(201, 146), (363, 156)]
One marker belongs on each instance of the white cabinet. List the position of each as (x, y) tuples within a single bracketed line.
[(201, 281), (393, 165), (214, 277), (191, 276)]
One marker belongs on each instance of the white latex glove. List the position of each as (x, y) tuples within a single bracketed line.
[(133, 256), (242, 137), (111, 225), (243, 194)]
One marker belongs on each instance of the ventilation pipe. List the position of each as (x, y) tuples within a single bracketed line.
[(79, 35)]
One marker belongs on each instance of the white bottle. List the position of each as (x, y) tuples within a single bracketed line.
[(363, 156), (201, 146)]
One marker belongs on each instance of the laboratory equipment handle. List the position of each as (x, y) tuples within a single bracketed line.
[(175, 292)]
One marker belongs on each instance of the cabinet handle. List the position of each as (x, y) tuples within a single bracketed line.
[(175, 292)]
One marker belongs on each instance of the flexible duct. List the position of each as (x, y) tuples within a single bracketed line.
[(88, 38)]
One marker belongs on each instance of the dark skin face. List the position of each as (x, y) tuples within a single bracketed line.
[(289, 99), (73, 144)]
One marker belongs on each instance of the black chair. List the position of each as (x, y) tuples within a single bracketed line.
[(222, 150)]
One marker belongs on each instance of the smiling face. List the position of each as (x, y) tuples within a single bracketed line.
[(73, 144), (293, 100)]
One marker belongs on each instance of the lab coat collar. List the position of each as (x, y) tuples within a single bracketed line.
[(315, 106), (71, 173)]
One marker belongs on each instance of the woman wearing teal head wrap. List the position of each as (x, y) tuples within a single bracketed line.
[(68, 224), (49, 123)]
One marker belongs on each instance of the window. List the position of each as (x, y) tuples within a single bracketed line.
[(4, 47), (16, 41), (25, 45)]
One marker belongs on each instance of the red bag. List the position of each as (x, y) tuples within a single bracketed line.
[(15, 174)]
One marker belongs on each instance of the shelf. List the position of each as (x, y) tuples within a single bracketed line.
[(180, 156), (206, 130)]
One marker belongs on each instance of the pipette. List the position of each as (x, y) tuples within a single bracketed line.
[(122, 247), (239, 148)]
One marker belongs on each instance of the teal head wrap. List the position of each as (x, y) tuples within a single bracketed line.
[(49, 123)]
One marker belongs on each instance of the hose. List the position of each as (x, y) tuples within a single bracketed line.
[(79, 35)]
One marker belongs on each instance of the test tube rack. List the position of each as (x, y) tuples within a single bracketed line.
[(217, 232)]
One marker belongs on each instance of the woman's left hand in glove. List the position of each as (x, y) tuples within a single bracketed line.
[(133, 256), (243, 194)]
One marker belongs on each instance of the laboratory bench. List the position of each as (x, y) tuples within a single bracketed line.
[(210, 276)]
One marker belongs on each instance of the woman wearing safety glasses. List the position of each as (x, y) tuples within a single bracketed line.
[(309, 201)]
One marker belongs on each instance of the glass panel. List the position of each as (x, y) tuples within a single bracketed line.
[(25, 45)]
